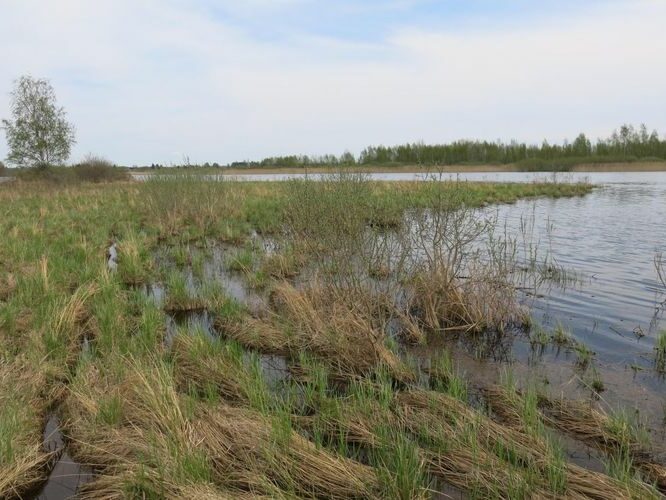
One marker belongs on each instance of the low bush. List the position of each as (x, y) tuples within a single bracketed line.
[(98, 169), (91, 169)]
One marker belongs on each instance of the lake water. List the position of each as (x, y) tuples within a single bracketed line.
[(609, 238), (593, 177)]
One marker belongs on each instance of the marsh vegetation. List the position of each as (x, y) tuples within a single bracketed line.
[(228, 340)]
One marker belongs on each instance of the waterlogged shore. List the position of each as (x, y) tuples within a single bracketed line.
[(638, 166), (293, 340)]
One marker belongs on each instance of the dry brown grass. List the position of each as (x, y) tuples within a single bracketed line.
[(237, 449), (281, 266), (244, 442), (26, 472), (198, 368), (320, 321), (444, 303), (452, 418), (72, 315), (132, 269), (596, 428), (470, 451)]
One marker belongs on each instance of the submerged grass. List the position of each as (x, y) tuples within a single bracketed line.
[(620, 436), (660, 352)]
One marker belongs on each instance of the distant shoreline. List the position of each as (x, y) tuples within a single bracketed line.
[(589, 167)]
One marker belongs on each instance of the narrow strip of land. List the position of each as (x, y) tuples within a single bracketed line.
[(380, 169)]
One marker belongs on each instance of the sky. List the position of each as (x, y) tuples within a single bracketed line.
[(155, 81)]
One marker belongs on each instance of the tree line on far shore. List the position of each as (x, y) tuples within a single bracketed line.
[(627, 144)]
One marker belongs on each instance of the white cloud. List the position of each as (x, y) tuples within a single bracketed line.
[(142, 79)]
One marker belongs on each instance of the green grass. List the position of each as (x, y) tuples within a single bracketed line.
[(538, 336), (242, 261), (595, 382), (447, 378), (584, 355), (400, 468), (561, 336)]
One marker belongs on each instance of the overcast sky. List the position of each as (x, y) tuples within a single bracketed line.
[(221, 80)]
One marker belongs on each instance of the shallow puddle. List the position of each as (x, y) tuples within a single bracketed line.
[(274, 369), (215, 270), (67, 475), (554, 369), (155, 293), (112, 257), (190, 321)]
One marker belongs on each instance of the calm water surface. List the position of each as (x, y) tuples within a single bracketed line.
[(608, 239)]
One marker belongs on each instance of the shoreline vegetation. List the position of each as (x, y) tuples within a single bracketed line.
[(243, 340), (636, 166), (106, 172)]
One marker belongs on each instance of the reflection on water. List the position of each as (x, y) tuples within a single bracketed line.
[(610, 238), (67, 474)]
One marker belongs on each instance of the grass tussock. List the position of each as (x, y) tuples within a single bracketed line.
[(183, 294), (524, 452), (210, 367), (134, 263), (71, 322), (318, 321), (465, 449), (202, 417), (443, 303)]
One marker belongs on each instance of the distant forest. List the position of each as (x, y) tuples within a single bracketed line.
[(624, 145)]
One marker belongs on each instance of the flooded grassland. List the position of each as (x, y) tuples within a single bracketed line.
[(344, 338)]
